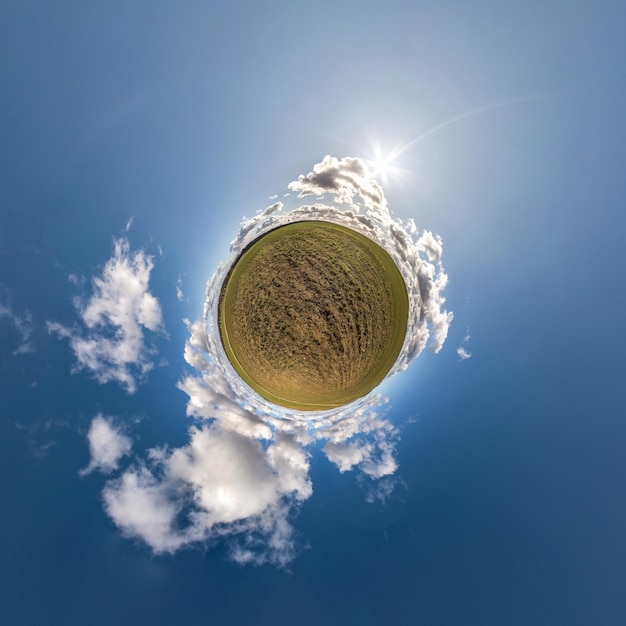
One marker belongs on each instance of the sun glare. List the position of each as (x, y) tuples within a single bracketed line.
[(382, 163)]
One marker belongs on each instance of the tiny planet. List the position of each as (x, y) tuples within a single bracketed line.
[(312, 315)]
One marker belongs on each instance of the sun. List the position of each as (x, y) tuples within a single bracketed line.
[(381, 164), (381, 168)]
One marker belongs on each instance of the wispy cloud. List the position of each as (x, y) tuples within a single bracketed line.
[(382, 490), (22, 323), (40, 435), (462, 350), (463, 354), (110, 342), (180, 296), (107, 445)]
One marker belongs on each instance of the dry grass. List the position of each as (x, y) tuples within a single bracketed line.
[(313, 315)]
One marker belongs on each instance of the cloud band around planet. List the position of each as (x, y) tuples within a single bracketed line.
[(245, 469)]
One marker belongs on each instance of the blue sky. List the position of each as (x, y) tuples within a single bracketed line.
[(164, 126)]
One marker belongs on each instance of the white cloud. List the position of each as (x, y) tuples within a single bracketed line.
[(111, 343), (142, 507), (462, 351), (362, 439), (381, 490), (343, 178), (180, 296), (463, 354), (344, 456), (22, 323), (374, 458), (227, 473), (107, 445), (431, 245), (249, 225), (220, 484)]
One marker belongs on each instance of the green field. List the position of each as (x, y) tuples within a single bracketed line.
[(312, 315)]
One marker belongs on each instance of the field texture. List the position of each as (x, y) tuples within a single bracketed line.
[(313, 315)]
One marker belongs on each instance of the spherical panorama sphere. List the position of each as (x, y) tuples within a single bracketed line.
[(312, 315)]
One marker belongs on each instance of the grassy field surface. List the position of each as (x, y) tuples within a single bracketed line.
[(313, 315)]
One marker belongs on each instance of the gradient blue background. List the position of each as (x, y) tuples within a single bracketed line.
[(186, 116)]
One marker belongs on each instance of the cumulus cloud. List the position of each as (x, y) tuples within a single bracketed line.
[(142, 507), (110, 343), (220, 484), (23, 323), (245, 469), (107, 445), (344, 179)]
